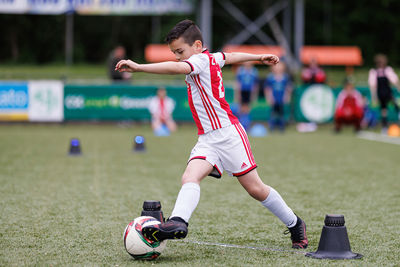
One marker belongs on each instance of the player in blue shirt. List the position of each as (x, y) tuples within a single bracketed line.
[(246, 86), (277, 90)]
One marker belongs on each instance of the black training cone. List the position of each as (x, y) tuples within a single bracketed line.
[(153, 208), (334, 242), (139, 144), (75, 147)]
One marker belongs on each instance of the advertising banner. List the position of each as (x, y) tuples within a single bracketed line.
[(98, 7), (129, 7), (14, 101), (122, 102), (107, 102), (46, 101), (316, 103), (14, 6), (52, 7)]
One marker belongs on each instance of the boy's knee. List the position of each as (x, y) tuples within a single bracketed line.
[(259, 193), (189, 177)]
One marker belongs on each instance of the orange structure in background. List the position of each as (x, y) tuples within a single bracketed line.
[(325, 55), (158, 53), (332, 55)]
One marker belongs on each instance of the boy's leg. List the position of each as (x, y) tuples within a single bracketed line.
[(186, 203), (171, 125), (272, 200), (155, 123), (189, 195)]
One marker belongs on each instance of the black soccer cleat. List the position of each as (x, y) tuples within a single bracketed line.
[(174, 228), (298, 234)]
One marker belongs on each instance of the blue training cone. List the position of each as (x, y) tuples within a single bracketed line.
[(258, 130), (162, 131)]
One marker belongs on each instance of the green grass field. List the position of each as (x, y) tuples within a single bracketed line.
[(58, 210)]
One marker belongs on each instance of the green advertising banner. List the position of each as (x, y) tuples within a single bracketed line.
[(122, 102), (316, 103)]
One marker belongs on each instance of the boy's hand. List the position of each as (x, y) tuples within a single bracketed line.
[(269, 59), (127, 65)]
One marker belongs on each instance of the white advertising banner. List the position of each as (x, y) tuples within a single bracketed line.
[(14, 6), (98, 7), (46, 101), (48, 6)]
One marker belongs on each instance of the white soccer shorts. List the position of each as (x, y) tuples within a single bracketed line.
[(226, 149)]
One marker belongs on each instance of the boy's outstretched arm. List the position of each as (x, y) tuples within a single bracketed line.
[(169, 67), (234, 58)]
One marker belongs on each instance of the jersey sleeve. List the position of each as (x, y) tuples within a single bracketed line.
[(153, 105), (391, 75), (198, 63), (220, 58), (372, 78)]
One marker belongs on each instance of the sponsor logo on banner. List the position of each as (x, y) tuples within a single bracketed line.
[(76, 102), (46, 101), (317, 103), (14, 101)]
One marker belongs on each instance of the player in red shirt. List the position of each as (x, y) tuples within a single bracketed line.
[(222, 143), (349, 108)]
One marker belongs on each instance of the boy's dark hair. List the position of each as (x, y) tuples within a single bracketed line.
[(186, 29)]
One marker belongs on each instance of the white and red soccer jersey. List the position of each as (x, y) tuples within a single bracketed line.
[(206, 92), (161, 108)]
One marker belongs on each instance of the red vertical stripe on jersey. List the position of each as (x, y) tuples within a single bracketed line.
[(216, 116), (162, 109), (194, 112), (252, 161), (215, 82), (213, 113), (206, 107), (245, 144)]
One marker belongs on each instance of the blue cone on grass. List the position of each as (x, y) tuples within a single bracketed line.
[(162, 131), (75, 147), (258, 130), (139, 144)]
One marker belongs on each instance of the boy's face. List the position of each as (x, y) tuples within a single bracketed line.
[(183, 50)]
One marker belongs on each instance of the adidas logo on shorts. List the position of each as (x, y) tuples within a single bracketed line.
[(244, 165)]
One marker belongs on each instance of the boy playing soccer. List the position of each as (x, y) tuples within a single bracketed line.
[(222, 143)]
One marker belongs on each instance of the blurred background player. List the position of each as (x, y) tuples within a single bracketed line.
[(370, 118), (161, 107), (349, 107), (117, 54), (246, 88), (380, 80), (313, 73), (277, 91)]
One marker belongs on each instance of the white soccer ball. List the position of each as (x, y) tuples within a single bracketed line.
[(137, 245)]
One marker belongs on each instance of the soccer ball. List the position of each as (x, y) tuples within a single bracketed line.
[(137, 245)]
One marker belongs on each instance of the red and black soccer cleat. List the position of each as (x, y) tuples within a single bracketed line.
[(298, 235)]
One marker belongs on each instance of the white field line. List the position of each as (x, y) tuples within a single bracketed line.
[(378, 137), (241, 247)]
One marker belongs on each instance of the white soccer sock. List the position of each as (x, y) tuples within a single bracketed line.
[(187, 201), (278, 207)]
